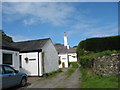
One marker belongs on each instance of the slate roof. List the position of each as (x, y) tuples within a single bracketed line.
[(32, 45), (72, 50), (7, 45), (61, 49)]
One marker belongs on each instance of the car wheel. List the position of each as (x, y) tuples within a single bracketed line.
[(23, 82)]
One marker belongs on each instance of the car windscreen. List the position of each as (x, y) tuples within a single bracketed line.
[(1, 70)]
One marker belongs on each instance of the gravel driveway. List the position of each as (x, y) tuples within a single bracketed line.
[(59, 81)]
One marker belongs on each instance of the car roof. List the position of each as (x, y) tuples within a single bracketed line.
[(4, 65)]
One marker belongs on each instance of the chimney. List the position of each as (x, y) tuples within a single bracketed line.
[(65, 40)]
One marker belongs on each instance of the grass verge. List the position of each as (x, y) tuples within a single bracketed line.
[(91, 80), (51, 74), (72, 69), (74, 64)]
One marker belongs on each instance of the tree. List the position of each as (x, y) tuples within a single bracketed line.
[(6, 37), (75, 46), (58, 44)]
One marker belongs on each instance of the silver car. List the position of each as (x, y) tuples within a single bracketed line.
[(10, 77)]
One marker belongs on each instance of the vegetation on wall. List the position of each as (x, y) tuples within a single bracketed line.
[(86, 61), (43, 54), (63, 64)]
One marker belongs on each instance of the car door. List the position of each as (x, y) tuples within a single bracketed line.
[(1, 75), (9, 77)]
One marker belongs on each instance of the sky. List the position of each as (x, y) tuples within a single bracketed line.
[(80, 20)]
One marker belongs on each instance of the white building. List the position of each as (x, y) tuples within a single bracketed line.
[(65, 53), (9, 54), (37, 56), (72, 55), (62, 53)]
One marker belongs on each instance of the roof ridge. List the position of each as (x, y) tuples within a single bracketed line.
[(32, 40)]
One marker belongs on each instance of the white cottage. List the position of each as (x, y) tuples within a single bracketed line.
[(72, 55), (37, 56), (65, 53), (63, 56), (9, 54)]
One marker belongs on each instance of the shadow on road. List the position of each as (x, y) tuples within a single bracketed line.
[(18, 87)]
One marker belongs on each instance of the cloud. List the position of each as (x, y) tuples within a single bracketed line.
[(18, 38), (53, 13), (90, 30), (102, 31), (29, 21), (60, 0)]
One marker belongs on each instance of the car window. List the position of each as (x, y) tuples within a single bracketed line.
[(1, 70), (9, 70)]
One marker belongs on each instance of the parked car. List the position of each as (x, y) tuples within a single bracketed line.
[(10, 77)]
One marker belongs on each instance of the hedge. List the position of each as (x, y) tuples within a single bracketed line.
[(100, 44)]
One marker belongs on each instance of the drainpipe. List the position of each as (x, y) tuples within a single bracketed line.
[(39, 62)]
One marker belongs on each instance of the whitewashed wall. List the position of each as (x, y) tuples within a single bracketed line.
[(15, 57), (31, 67), (64, 59), (51, 57), (71, 57)]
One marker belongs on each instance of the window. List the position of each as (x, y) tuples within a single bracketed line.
[(74, 56), (9, 70), (7, 58), (20, 58), (63, 58)]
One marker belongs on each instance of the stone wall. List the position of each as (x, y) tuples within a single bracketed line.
[(107, 65)]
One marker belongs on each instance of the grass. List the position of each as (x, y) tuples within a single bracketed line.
[(91, 80), (74, 64), (51, 74), (72, 69)]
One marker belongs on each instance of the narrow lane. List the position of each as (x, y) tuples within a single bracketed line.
[(59, 81)]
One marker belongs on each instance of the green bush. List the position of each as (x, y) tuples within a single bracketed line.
[(86, 62)]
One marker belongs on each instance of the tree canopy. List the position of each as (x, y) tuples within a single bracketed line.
[(6, 37)]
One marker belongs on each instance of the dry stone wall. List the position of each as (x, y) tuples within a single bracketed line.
[(107, 65)]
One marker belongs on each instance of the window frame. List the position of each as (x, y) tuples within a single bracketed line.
[(11, 63)]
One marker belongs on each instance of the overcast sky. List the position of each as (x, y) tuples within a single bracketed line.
[(29, 21)]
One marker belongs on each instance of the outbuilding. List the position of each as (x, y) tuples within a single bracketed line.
[(37, 56)]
